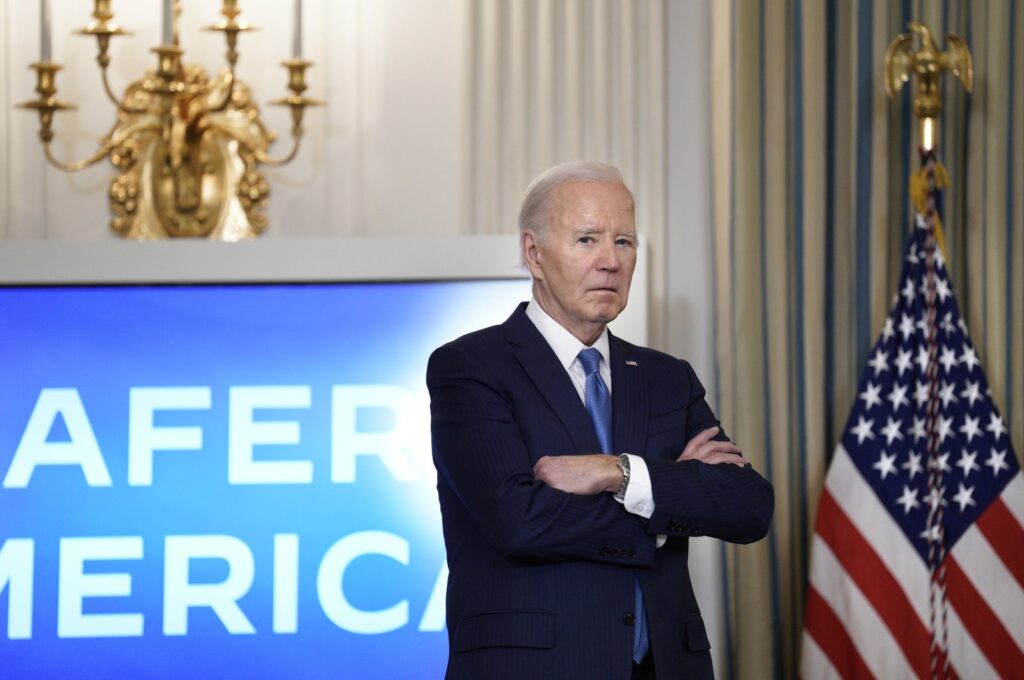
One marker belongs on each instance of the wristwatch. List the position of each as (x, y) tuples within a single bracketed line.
[(624, 467)]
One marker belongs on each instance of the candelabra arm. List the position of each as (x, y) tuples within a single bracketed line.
[(112, 97), (263, 158), (100, 153), (75, 166)]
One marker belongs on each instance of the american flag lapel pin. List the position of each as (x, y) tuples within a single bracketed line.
[(630, 362)]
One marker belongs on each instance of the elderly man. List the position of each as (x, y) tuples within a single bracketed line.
[(574, 466)]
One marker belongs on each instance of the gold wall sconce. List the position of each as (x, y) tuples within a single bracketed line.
[(188, 147)]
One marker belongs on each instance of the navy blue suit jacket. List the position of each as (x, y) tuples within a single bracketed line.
[(541, 581)]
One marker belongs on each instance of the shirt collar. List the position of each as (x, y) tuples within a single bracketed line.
[(565, 345)]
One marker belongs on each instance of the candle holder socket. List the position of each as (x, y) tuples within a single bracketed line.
[(47, 103), (297, 84), (103, 29)]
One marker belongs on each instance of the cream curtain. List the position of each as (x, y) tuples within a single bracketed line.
[(810, 165)]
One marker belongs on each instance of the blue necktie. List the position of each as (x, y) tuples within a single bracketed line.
[(597, 399), (599, 406)]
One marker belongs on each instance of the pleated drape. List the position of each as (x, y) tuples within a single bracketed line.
[(810, 166)]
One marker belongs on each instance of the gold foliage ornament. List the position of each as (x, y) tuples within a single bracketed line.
[(188, 147)]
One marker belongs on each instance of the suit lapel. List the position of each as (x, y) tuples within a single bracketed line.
[(543, 368), (629, 399)]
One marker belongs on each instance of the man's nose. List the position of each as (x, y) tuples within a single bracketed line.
[(608, 257)]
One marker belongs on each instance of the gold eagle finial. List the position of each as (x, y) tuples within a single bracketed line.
[(927, 63)]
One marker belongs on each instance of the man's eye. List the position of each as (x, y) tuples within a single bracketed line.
[(625, 242), (586, 239)]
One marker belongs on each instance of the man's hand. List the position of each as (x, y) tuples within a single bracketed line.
[(708, 450), (581, 475)]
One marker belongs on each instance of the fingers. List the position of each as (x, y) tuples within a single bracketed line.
[(698, 441), (728, 458), (707, 449), (716, 457)]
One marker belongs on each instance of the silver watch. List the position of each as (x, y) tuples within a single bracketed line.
[(624, 467)]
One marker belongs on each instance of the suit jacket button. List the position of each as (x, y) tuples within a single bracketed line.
[(629, 619)]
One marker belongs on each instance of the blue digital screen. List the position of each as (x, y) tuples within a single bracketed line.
[(225, 481)]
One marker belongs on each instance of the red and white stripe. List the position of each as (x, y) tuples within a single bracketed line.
[(867, 603)]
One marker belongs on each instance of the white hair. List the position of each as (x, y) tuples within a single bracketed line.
[(535, 210)]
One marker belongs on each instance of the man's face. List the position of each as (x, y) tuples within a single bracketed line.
[(582, 268)]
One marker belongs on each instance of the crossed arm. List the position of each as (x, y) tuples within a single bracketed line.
[(597, 473), (556, 509)]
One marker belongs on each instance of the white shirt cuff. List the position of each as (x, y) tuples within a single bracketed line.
[(639, 498)]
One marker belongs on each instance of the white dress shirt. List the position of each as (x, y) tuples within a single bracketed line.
[(639, 498)]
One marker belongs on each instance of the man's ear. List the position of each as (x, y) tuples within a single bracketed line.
[(532, 253)]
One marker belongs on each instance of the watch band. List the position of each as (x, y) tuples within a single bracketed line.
[(624, 467)]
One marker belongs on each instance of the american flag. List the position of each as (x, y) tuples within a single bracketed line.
[(873, 607)]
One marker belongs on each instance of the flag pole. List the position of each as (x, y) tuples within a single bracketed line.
[(927, 64)]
